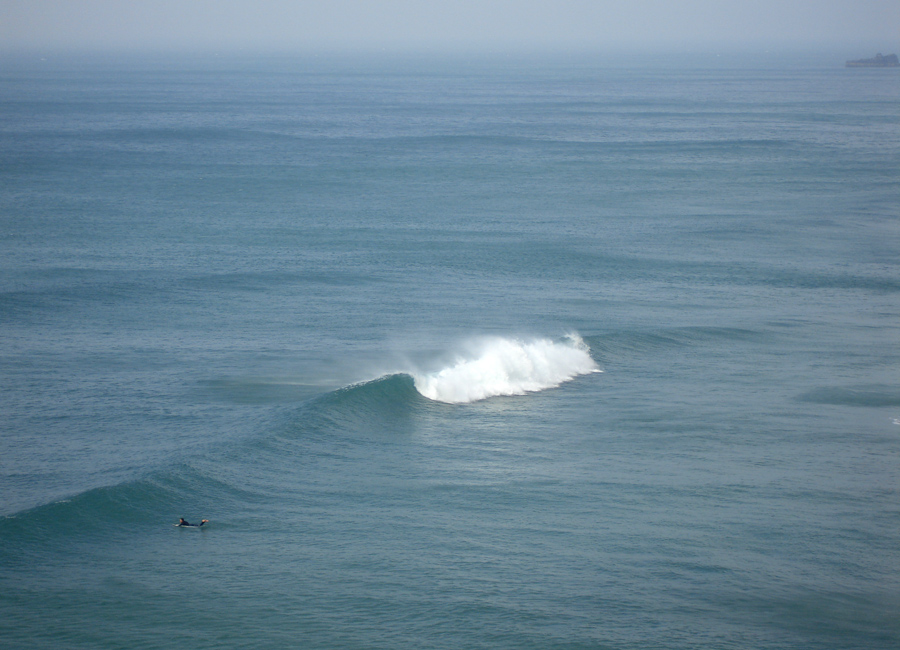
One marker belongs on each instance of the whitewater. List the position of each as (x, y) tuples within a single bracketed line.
[(495, 366)]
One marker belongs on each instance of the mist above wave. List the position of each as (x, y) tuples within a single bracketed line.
[(507, 366)]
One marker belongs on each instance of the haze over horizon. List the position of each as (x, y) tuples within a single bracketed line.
[(455, 25)]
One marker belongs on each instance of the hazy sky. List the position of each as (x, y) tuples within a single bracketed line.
[(457, 24)]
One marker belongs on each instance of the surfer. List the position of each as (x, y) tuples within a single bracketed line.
[(184, 523)]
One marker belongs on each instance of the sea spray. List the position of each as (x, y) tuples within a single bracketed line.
[(505, 366)]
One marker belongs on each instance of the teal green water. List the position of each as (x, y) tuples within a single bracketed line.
[(453, 354)]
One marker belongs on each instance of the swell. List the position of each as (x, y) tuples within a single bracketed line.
[(331, 424), (232, 485), (335, 422), (871, 395), (328, 424), (385, 403), (628, 342)]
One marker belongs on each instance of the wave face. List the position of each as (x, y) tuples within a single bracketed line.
[(504, 366)]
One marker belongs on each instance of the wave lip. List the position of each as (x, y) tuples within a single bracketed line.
[(502, 366)]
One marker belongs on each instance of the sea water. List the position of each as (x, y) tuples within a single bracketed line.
[(585, 352)]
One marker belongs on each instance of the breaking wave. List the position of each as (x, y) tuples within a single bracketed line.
[(502, 366)]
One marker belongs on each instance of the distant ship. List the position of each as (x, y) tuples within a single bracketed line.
[(889, 61)]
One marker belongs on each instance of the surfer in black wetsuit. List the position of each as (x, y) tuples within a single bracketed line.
[(182, 522)]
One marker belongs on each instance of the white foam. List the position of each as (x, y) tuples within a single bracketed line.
[(503, 366)]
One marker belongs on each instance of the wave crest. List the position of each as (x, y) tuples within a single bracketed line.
[(501, 366)]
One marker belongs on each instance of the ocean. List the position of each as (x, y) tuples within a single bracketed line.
[(465, 352)]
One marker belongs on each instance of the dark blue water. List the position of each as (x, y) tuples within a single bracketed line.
[(356, 312)]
